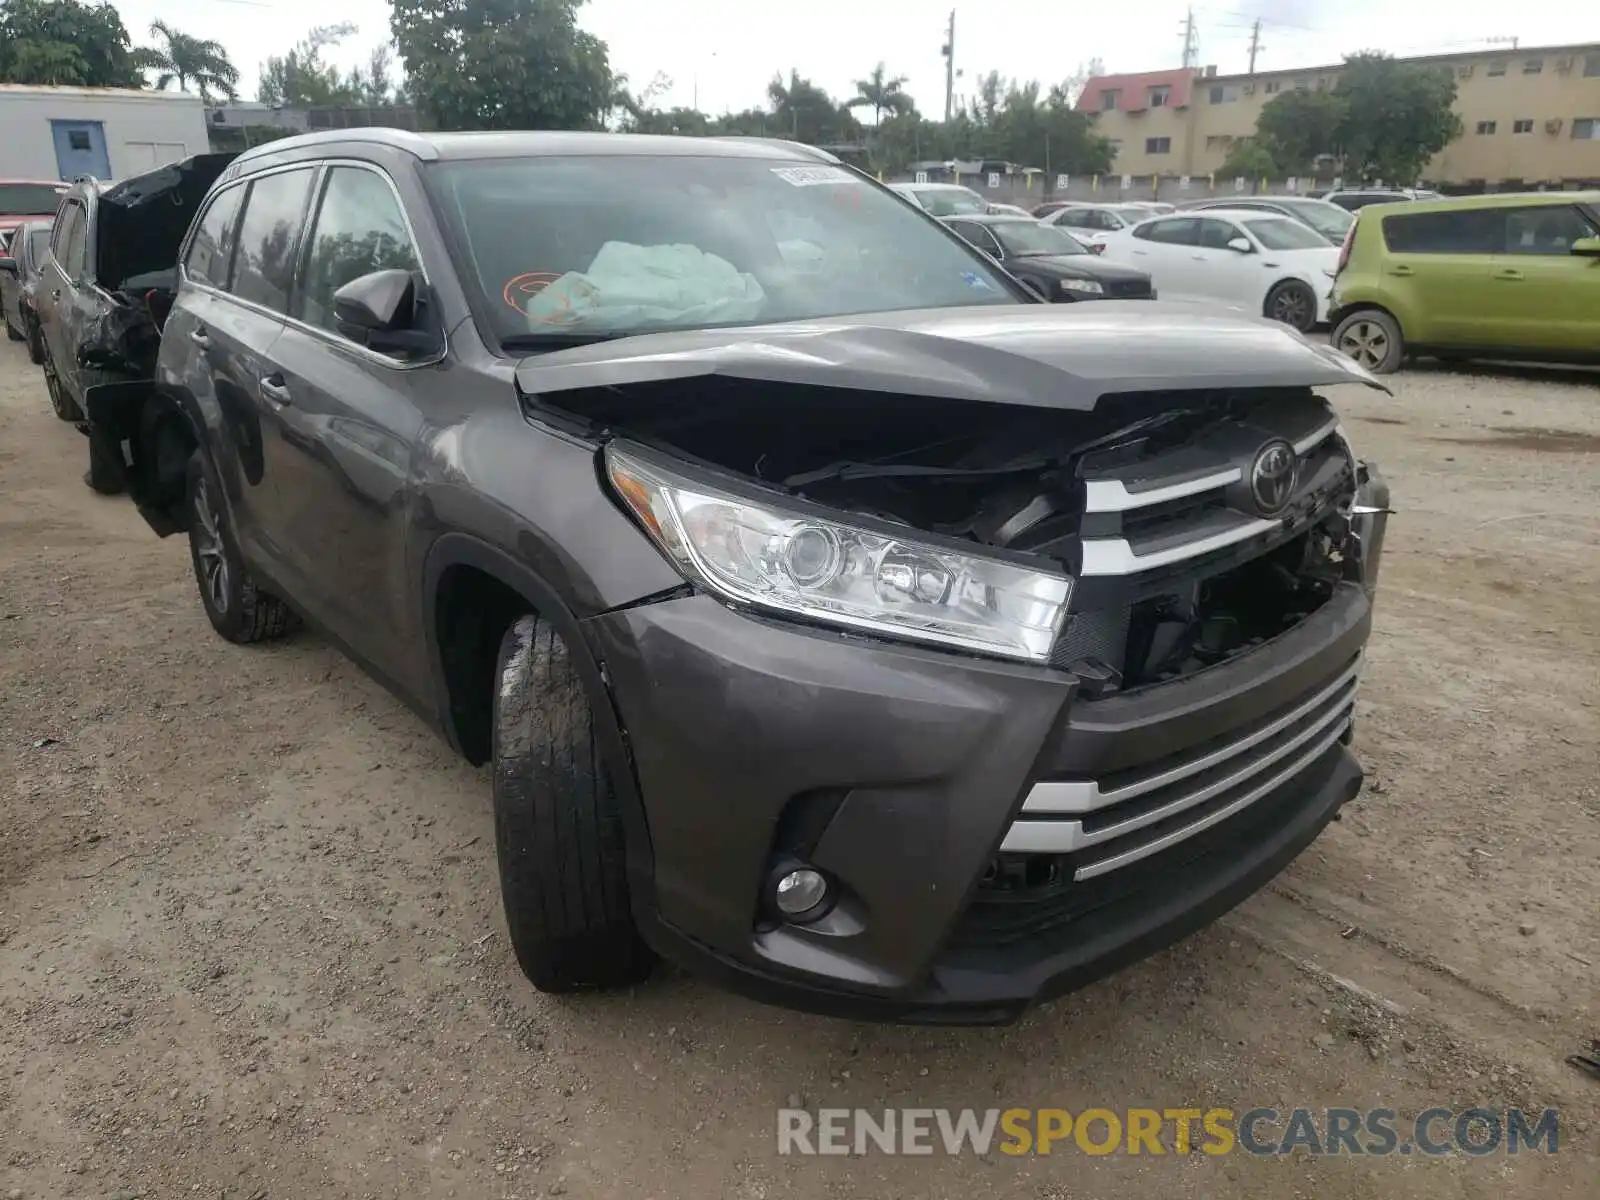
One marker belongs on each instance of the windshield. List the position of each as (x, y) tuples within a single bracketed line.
[(618, 244), (951, 202), (28, 200), (1280, 233), (1327, 219), (1028, 239)]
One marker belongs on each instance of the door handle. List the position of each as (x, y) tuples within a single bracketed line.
[(275, 391), (1508, 273), (1402, 269), (199, 337)]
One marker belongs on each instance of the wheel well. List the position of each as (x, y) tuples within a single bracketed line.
[(1362, 306), (473, 610)]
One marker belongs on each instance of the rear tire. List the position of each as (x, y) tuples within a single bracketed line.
[(236, 607), (558, 824), (1371, 337), (35, 343), (1294, 304), (62, 404)]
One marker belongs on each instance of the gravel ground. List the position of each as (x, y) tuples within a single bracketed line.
[(251, 944)]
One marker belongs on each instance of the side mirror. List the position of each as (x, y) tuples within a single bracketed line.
[(1242, 245), (8, 266), (380, 310), (1586, 247)]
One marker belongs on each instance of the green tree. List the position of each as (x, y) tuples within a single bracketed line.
[(503, 64), (882, 93), (66, 42), (1251, 158), (806, 113), (1296, 127), (184, 59), (301, 78), (1397, 116)]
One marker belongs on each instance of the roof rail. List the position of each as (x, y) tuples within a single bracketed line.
[(376, 135), (808, 151)]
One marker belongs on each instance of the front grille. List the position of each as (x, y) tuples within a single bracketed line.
[(1127, 288), (1107, 824)]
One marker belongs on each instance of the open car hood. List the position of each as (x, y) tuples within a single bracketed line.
[(1043, 356), (140, 222)]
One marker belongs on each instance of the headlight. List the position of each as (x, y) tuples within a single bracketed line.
[(754, 552), (1088, 286)]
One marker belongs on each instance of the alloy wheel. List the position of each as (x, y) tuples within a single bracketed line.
[(1292, 307), (208, 548), (1366, 342)]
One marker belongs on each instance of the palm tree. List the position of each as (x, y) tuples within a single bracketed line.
[(882, 93), (186, 59)]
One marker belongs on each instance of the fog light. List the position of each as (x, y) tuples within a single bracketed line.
[(800, 892)]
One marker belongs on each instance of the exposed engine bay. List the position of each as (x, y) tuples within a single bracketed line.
[(1015, 478)]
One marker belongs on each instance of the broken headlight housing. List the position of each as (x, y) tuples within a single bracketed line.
[(760, 553)]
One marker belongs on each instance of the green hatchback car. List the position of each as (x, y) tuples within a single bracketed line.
[(1514, 275)]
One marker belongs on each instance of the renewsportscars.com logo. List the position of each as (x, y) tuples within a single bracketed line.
[(1375, 1132)]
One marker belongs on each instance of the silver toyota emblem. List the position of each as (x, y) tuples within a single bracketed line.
[(1273, 476)]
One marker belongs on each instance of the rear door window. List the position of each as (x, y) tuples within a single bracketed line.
[(269, 234), (1459, 231), (359, 229), (1546, 229), (211, 253), (1174, 231)]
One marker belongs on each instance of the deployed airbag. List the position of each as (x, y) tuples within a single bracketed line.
[(628, 286)]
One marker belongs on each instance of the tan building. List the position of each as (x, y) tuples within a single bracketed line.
[(1529, 115)]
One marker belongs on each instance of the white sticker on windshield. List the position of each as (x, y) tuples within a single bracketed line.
[(811, 176)]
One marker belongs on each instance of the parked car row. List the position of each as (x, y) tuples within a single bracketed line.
[(839, 620), (20, 265)]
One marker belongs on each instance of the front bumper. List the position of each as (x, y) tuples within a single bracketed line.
[(904, 773)]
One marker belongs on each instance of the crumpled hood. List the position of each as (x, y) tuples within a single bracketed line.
[(1043, 356)]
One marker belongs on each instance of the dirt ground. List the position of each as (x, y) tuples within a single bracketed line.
[(251, 944)]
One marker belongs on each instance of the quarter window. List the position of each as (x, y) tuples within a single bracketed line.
[(211, 253), (268, 235), (359, 229)]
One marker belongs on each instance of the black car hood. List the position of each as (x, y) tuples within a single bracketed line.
[(140, 222), (1077, 266), (1042, 356)]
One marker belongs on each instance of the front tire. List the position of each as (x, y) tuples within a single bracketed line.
[(236, 607), (63, 405), (558, 824), (1293, 303), (1371, 337), (12, 332)]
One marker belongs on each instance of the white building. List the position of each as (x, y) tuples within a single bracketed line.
[(110, 133)]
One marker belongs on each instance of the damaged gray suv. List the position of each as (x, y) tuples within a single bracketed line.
[(840, 621)]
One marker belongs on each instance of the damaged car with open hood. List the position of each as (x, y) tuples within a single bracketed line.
[(838, 620)]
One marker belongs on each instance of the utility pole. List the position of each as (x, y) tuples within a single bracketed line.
[(950, 68), (1255, 44), (1191, 42)]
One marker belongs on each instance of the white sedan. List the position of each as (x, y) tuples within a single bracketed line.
[(1252, 262)]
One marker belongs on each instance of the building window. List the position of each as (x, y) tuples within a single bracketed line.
[(78, 139), (1161, 145), (1219, 141), (1497, 67), (1586, 129), (1485, 127), (1223, 95), (1159, 97), (1591, 66), (1523, 125), (1322, 85), (1109, 99), (1301, 86), (1532, 66), (1273, 86)]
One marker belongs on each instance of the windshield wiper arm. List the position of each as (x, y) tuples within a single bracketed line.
[(557, 340)]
